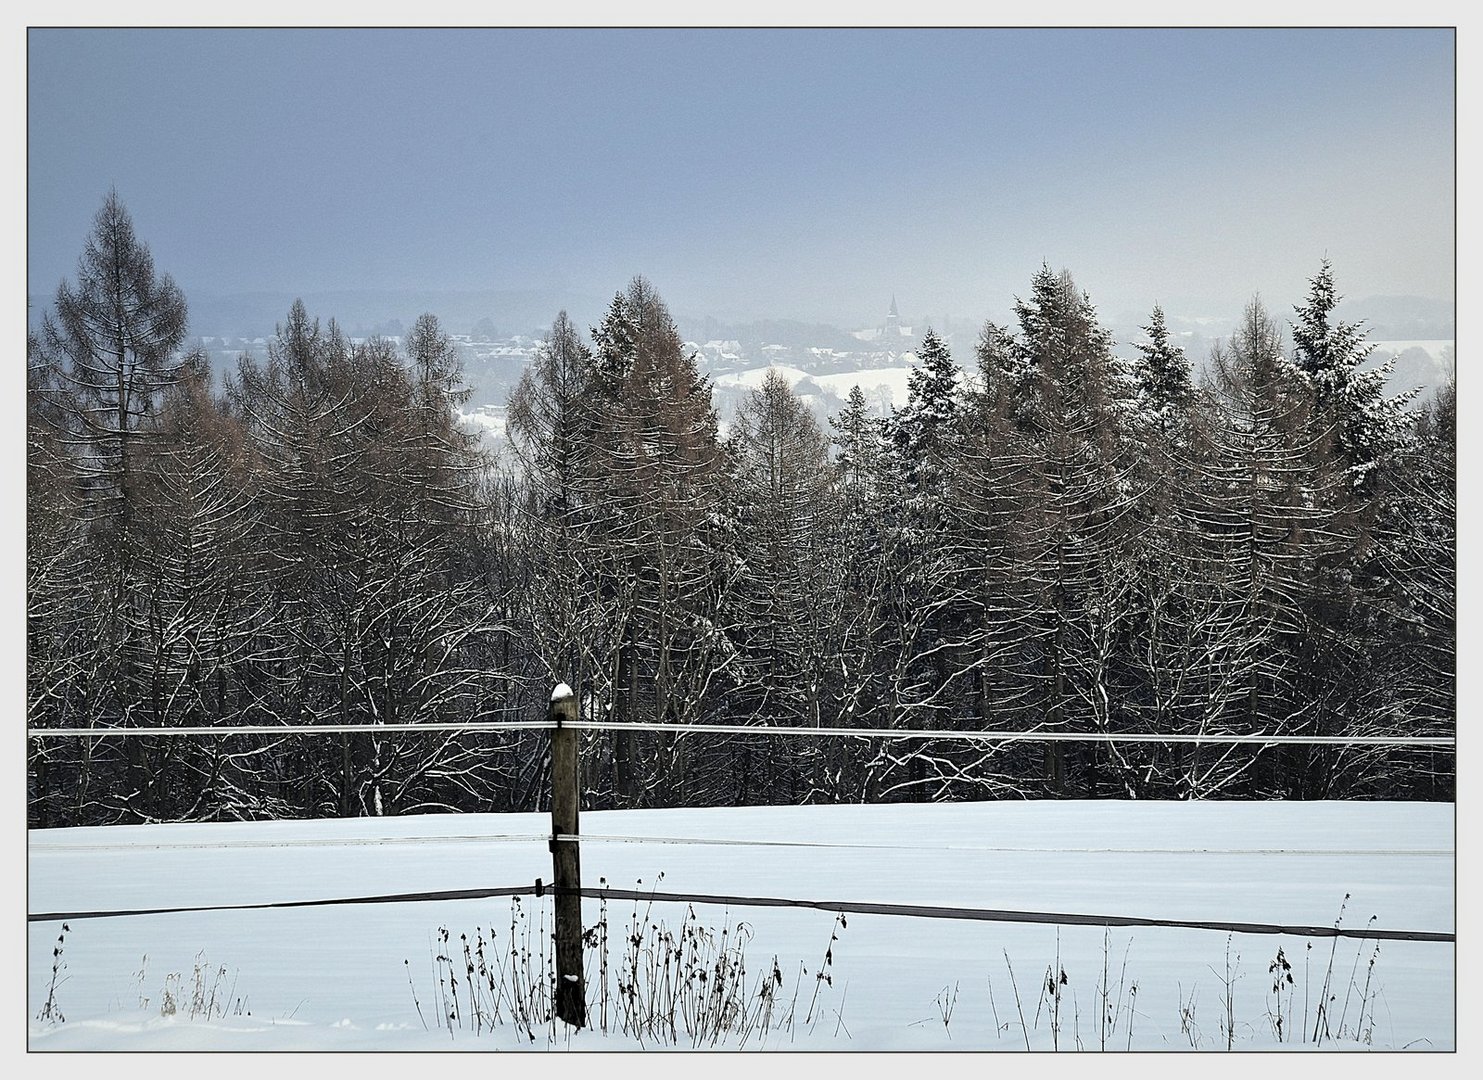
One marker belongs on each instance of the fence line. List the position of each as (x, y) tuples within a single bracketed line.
[(1027, 736), (565, 842), (1438, 741), (394, 898), (921, 911), (917, 911)]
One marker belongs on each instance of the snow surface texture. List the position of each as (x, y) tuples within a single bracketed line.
[(344, 977)]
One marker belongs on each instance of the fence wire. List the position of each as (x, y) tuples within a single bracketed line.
[(853, 907), (1442, 741)]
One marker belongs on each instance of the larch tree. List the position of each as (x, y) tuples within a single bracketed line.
[(651, 484), (1074, 408), (197, 521), (786, 510), (563, 601), (114, 338), (1268, 500), (998, 492), (116, 335)]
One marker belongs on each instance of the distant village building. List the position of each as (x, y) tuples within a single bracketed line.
[(893, 329), (889, 334)]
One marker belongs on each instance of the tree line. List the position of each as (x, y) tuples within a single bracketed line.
[(1049, 539)]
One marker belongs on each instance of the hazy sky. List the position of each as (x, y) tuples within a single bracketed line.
[(750, 173)]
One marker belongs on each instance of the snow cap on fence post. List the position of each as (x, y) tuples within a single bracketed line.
[(563, 707)]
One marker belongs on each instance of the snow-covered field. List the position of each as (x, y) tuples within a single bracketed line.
[(882, 387), (361, 977), (879, 385), (752, 378)]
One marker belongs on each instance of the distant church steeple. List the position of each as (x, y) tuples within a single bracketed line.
[(893, 320)]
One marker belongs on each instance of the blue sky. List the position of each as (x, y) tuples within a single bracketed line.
[(757, 173)]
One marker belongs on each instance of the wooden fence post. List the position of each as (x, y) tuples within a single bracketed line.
[(566, 863)]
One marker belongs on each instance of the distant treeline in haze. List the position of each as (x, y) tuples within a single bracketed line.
[(1044, 538)]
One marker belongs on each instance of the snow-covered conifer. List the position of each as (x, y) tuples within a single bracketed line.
[(1165, 388), (1349, 395)]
